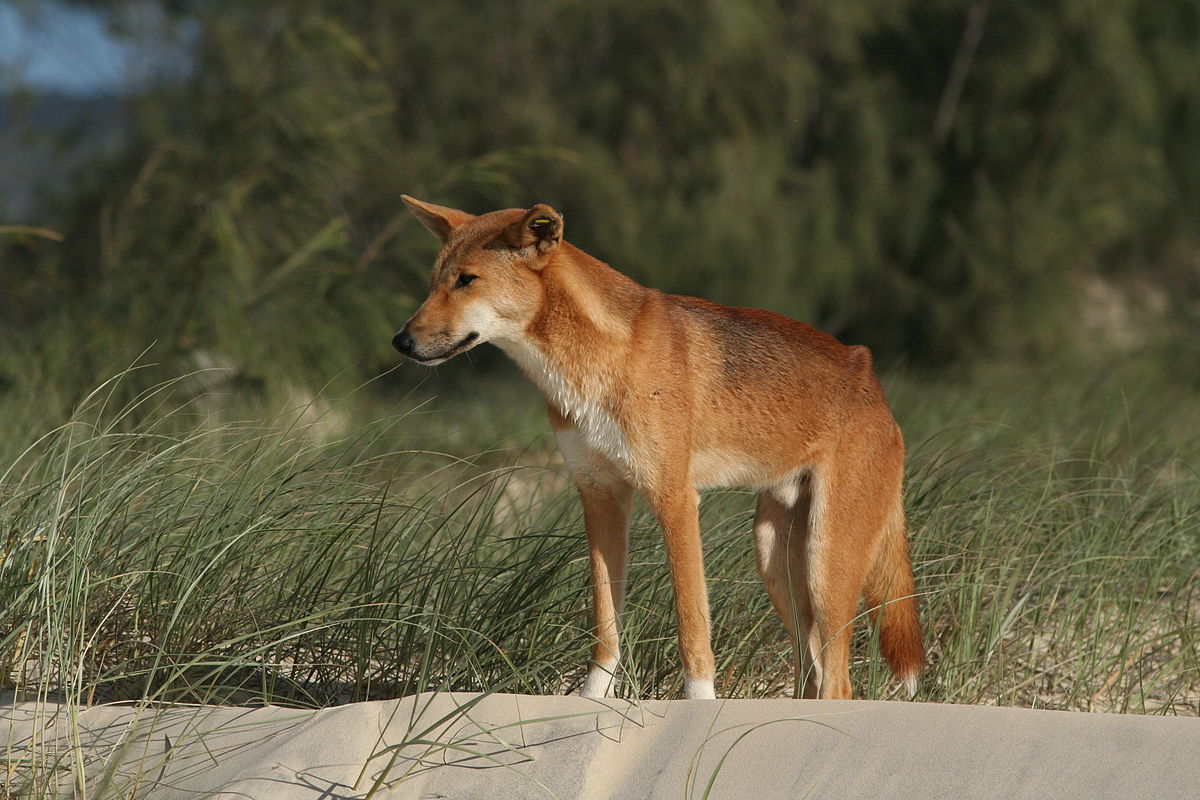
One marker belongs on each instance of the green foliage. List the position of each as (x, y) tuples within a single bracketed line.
[(935, 179)]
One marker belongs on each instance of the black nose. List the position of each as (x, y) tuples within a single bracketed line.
[(403, 342)]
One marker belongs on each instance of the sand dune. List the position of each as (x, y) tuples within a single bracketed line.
[(517, 746)]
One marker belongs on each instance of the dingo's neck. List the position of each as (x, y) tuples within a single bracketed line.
[(585, 326), (576, 347)]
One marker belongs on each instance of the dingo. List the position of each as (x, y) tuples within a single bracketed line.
[(668, 394)]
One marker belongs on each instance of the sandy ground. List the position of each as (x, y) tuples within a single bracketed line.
[(517, 746)]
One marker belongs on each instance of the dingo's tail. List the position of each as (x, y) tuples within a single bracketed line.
[(891, 596)]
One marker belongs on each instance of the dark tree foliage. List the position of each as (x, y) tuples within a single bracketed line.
[(937, 179)]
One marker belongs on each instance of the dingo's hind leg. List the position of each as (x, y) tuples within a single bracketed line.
[(780, 538), (854, 495)]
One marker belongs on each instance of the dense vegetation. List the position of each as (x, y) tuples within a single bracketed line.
[(938, 180)]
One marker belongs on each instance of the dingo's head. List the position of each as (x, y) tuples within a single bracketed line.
[(485, 284)]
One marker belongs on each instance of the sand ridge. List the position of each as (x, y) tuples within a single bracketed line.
[(464, 745)]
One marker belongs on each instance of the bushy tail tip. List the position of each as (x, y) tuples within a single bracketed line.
[(901, 641), (891, 593)]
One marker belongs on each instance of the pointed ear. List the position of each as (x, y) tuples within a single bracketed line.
[(440, 220), (541, 227)]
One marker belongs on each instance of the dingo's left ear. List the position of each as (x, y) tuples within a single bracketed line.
[(541, 227), (439, 220)]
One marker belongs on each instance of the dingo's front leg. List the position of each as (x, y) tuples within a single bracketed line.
[(678, 514), (606, 510), (607, 501)]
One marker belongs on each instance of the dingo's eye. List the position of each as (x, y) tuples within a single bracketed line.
[(463, 280)]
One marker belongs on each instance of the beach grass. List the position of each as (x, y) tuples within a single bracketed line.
[(163, 546)]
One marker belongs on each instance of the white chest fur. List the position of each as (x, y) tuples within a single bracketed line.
[(578, 403)]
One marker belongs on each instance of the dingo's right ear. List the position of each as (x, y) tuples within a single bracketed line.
[(439, 220), (541, 227)]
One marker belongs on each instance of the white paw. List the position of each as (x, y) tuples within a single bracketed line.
[(698, 688), (599, 682)]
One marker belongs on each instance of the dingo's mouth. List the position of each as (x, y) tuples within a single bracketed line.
[(465, 344)]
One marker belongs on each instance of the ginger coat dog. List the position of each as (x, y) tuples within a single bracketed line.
[(665, 395)]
